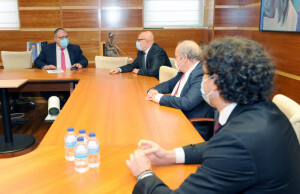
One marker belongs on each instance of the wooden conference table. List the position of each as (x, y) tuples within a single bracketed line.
[(114, 107)]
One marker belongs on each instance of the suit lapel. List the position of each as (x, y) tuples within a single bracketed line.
[(70, 54)]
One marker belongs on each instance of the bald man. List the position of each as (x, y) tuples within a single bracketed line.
[(185, 88), (150, 57)]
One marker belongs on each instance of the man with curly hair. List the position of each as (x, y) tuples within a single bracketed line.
[(254, 149)]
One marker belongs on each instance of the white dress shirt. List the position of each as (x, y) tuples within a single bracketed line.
[(58, 58), (223, 117), (182, 83)]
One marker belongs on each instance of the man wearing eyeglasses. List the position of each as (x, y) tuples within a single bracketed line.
[(61, 54), (150, 57)]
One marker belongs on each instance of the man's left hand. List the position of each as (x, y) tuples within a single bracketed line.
[(138, 163), (136, 71), (78, 65)]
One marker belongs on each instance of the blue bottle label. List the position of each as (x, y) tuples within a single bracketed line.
[(94, 151), (70, 144), (81, 156)]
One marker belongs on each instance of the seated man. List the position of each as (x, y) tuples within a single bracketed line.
[(185, 88), (61, 54), (150, 57), (254, 149)]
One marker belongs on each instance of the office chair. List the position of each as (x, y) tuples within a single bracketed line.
[(166, 73), (17, 60), (172, 60), (291, 109), (110, 62)]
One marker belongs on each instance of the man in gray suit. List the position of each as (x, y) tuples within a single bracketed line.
[(254, 149), (185, 88)]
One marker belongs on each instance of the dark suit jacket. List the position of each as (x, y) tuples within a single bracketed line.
[(48, 56), (156, 58), (190, 101), (256, 151)]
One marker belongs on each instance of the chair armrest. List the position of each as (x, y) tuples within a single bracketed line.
[(195, 120)]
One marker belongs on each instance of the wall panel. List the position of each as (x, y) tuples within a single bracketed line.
[(121, 3), (88, 42), (79, 2), (40, 18), (39, 3), (80, 18), (283, 47), (241, 17), (121, 18)]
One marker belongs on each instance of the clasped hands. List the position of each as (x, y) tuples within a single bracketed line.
[(151, 94), (147, 152), (117, 70), (52, 67)]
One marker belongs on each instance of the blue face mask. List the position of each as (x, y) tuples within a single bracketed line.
[(138, 45), (64, 42), (206, 96)]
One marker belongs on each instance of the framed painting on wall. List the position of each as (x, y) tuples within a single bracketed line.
[(280, 15)]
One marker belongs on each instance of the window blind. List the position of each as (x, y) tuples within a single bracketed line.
[(9, 15), (173, 14)]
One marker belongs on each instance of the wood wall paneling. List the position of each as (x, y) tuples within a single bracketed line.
[(121, 18), (169, 38), (226, 17), (283, 47), (80, 18), (121, 3), (236, 2), (241, 17), (79, 2), (39, 3), (245, 2), (227, 2), (16, 40), (88, 42), (40, 18)]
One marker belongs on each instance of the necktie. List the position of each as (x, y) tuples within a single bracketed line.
[(217, 126), (143, 61), (178, 85), (63, 61)]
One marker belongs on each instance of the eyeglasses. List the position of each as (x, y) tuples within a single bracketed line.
[(62, 37), (140, 40)]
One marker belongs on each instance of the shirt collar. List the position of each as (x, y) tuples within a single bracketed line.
[(226, 112), (191, 69), (58, 48), (146, 51)]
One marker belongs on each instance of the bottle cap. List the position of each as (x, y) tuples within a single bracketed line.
[(79, 138), (71, 129), (82, 131), (92, 134)]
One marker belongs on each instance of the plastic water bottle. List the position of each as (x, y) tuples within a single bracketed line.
[(83, 134), (93, 150), (70, 142), (81, 156)]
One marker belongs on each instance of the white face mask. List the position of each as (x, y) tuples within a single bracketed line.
[(206, 96), (138, 45)]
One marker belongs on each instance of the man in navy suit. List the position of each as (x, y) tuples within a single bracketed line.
[(150, 57), (254, 149), (185, 88), (60, 54)]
